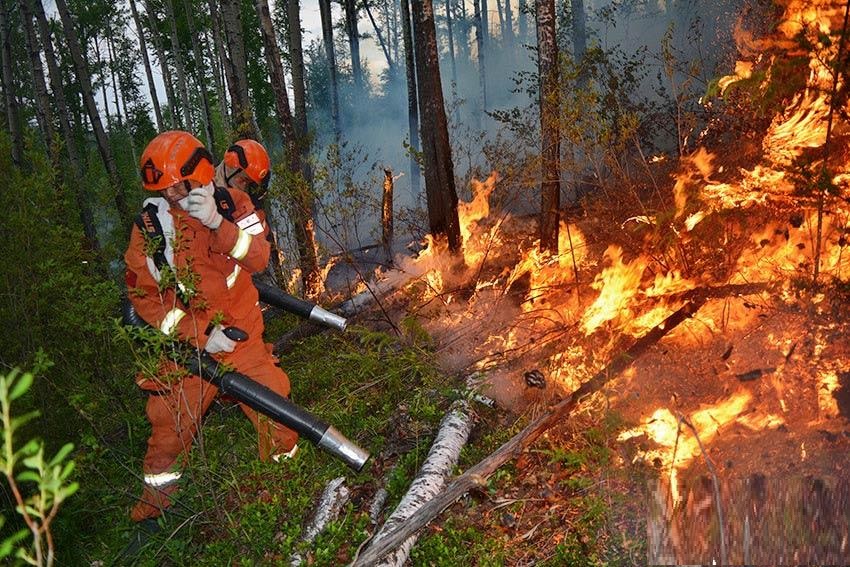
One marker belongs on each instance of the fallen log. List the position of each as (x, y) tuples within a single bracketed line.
[(451, 437), (478, 474), (334, 497)]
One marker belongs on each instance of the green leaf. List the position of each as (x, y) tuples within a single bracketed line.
[(67, 470), (30, 476), (8, 545), (70, 489), (34, 462), (61, 454), (21, 387), (18, 421), (29, 449)]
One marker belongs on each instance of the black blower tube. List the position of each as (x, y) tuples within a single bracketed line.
[(278, 298), (269, 403)]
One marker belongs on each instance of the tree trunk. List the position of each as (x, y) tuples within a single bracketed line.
[(328, 40), (44, 114), (86, 214), (222, 64), (412, 99), (501, 19), (243, 116), (387, 216), (200, 79), (579, 29), (480, 33), (381, 41), (102, 75), (300, 204), (550, 188), (522, 8), (485, 24), (350, 7), (439, 170), (451, 43), (146, 60), (178, 65), (12, 113), (110, 50), (296, 58), (100, 135), (395, 35), (508, 38), (58, 93), (163, 64)]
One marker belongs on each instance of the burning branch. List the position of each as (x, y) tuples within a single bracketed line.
[(478, 474)]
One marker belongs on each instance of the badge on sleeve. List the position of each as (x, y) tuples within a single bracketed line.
[(251, 224)]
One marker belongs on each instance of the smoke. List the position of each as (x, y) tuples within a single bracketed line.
[(679, 47)]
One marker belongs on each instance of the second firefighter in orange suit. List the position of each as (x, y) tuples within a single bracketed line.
[(192, 282)]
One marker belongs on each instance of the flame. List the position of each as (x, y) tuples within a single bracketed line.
[(662, 427), (827, 384), (617, 284), (699, 165)]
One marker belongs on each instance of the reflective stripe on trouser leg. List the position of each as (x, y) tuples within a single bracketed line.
[(161, 480)]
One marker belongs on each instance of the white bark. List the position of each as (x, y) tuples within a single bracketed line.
[(451, 437), (334, 497)]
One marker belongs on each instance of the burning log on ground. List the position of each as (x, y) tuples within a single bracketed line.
[(478, 474)]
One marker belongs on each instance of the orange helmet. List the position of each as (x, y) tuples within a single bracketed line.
[(251, 157), (172, 157)]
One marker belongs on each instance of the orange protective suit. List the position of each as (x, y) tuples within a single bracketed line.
[(213, 271)]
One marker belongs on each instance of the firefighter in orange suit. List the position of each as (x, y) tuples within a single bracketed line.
[(189, 265), (246, 166)]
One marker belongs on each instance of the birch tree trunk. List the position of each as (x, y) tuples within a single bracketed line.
[(328, 40), (12, 114), (550, 188), (178, 65), (243, 116), (163, 63), (200, 78), (439, 169), (451, 437), (350, 7), (147, 63), (44, 114), (300, 203), (97, 126), (412, 99)]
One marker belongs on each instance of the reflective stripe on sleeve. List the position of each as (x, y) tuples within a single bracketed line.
[(231, 279), (172, 318), (243, 242), (161, 480)]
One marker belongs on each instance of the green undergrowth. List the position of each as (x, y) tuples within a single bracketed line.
[(234, 509), (386, 395)]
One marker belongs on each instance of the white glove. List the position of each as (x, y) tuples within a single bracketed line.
[(201, 205), (219, 342)]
